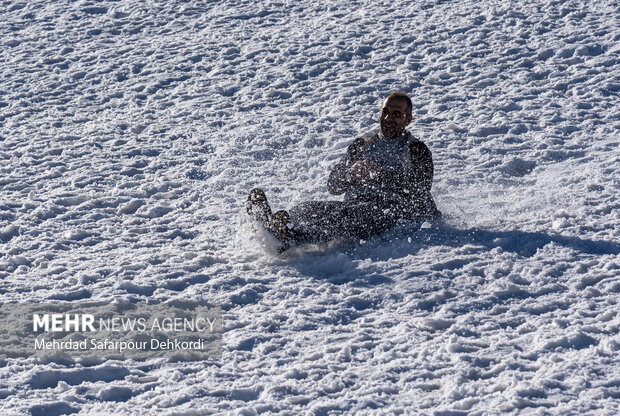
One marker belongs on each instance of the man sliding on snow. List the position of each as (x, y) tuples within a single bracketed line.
[(384, 178)]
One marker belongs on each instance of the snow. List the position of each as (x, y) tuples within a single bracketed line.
[(131, 132)]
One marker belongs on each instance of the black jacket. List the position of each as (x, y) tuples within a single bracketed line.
[(414, 186)]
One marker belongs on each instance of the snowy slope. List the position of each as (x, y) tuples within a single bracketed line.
[(131, 132)]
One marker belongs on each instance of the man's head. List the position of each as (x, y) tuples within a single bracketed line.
[(395, 114)]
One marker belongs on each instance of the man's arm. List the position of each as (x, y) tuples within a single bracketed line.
[(340, 179), (420, 180), (421, 176)]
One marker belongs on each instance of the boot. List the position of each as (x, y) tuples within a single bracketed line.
[(280, 229), (258, 208)]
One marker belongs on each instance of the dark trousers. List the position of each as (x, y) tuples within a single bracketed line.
[(317, 221)]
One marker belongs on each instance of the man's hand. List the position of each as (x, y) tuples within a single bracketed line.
[(364, 170)]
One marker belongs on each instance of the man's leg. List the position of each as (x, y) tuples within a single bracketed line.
[(318, 221)]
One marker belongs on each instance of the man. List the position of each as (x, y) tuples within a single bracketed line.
[(384, 178)]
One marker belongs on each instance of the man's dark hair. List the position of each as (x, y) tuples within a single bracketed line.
[(399, 95)]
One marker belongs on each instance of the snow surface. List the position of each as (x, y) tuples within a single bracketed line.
[(131, 132)]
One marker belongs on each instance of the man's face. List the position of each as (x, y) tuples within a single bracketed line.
[(394, 118)]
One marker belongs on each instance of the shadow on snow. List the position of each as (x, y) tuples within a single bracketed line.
[(349, 261)]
